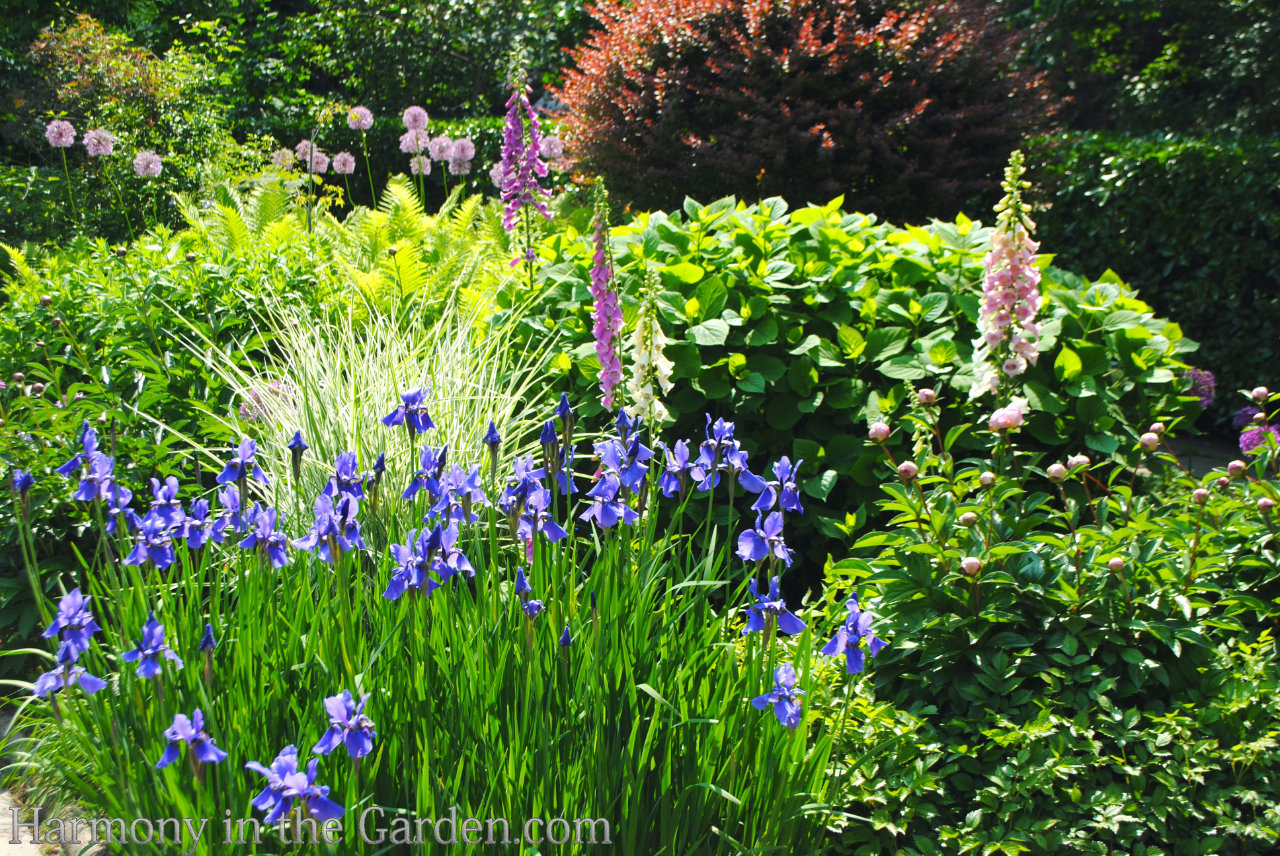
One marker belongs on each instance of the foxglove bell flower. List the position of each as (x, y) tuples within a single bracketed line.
[(74, 621), (264, 536), (765, 540), (285, 783), (770, 607), (151, 649), (522, 166), (848, 639), (606, 314), (349, 726), (242, 466), (190, 732), (784, 698), (412, 413)]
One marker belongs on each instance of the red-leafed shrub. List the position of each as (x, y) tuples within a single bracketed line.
[(909, 109)]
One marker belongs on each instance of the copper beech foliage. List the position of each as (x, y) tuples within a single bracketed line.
[(909, 109)]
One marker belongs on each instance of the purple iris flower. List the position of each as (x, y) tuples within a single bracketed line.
[(785, 492), (523, 483), (532, 608), (672, 480), (784, 697), (706, 469), (336, 529), (66, 675), (412, 413), (765, 540), (229, 499), (460, 492), (413, 561), (735, 463), (297, 446), (770, 607), (349, 726), (848, 639), (207, 642), (195, 526), (73, 621), (242, 465), (118, 499), (346, 478), (23, 481), (430, 465), (492, 441), (97, 480), (450, 560), (264, 536), (154, 542), (165, 503), (606, 509), (565, 412), (565, 638), (537, 519), (151, 649), (191, 732), (564, 475), (628, 460), (89, 442), (523, 589), (285, 783), (624, 426)]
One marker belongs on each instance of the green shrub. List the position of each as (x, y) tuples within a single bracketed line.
[(1098, 682), (805, 326), (1193, 223)]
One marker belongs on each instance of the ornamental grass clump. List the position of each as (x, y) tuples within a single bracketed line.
[(622, 694)]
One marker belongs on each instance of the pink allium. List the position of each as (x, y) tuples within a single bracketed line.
[(439, 148), (495, 175), (552, 148), (303, 150), (60, 134), (319, 162), (147, 164), (344, 163), (359, 119), (415, 118), (459, 167), (282, 158), (420, 165), (605, 311), (414, 141), (463, 150), (99, 143)]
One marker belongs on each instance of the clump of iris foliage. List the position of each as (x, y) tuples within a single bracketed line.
[(518, 638)]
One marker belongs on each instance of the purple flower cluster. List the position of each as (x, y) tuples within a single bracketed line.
[(522, 164), (1203, 385)]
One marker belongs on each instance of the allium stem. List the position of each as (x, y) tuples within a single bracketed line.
[(66, 170)]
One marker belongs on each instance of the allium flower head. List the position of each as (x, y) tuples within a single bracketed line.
[(1256, 438), (319, 163), (552, 148), (147, 164), (60, 134), (282, 159), (344, 163), (1203, 385), (415, 118), (349, 726), (784, 697), (99, 143), (420, 165), (463, 150), (439, 148), (459, 167), (359, 119)]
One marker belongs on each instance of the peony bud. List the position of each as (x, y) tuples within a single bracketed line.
[(1259, 418), (927, 397), (1078, 461), (57, 323), (19, 377), (1156, 428), (968, 518), (1260, 394), (1223, 483), (907, 471), (879, 432), (987, 479), (1236, 469), (1056, 472), (1265, 505), (121, 252), (1116, 565), (37, 389), (391, 251), (970, 565), (191, 257), (1149, 441), (46, 301), (1200, 496)]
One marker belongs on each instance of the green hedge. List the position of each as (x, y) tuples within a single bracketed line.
[(1194, 224)]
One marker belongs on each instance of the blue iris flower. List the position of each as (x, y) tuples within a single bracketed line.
[(784, 697)]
